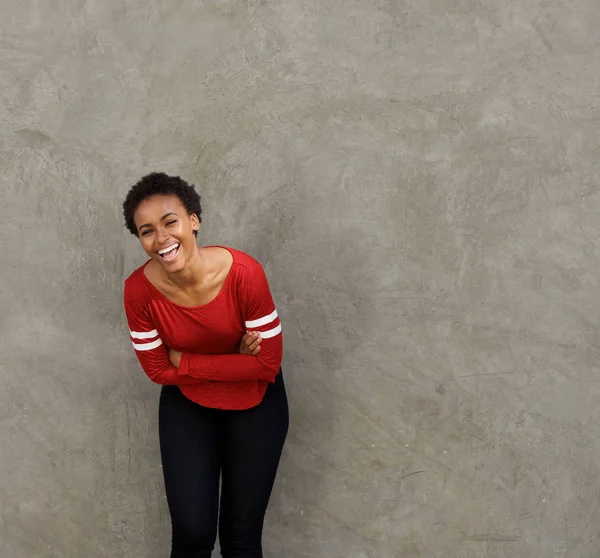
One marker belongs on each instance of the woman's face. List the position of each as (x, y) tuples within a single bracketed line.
[(166, 231)]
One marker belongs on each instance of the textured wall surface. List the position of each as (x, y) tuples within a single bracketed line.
[(420, 179)]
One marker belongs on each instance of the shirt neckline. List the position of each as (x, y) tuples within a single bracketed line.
[(160, 295)]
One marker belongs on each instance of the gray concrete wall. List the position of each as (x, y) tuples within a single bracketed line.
[(420, 180)]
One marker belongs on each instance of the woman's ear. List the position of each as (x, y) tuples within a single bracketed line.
[(195, 222)]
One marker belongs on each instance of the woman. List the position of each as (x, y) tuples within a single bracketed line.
[(203, 325)]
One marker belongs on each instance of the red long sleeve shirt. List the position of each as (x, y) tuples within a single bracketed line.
[(212, 372)]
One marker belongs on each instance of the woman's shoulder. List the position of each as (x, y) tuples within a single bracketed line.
[(241, 260), (136, 284)]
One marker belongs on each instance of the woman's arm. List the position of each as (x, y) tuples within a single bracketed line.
[(149, 348)]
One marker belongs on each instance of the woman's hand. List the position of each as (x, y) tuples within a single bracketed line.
[(175, 358), (250, 343)]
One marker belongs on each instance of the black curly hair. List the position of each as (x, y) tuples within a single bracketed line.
[(159, 183)]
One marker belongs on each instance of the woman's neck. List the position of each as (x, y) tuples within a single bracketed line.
[(192, 274)]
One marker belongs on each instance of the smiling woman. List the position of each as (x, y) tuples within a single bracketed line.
[(203, 324)]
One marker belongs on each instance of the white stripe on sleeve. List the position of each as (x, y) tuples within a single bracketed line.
[(262, 321), (147, 346), (270, 333), (144, 334)]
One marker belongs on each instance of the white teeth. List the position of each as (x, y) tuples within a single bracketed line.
[(161, 252)]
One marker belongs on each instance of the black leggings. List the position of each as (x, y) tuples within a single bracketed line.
[(198, 445)]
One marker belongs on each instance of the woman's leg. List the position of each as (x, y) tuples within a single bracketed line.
[(189, 445), (252, 444)]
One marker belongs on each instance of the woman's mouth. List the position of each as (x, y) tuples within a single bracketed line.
[(169, 253)]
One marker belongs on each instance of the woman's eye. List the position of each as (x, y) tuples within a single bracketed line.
[(169, 223), (146, 232)]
